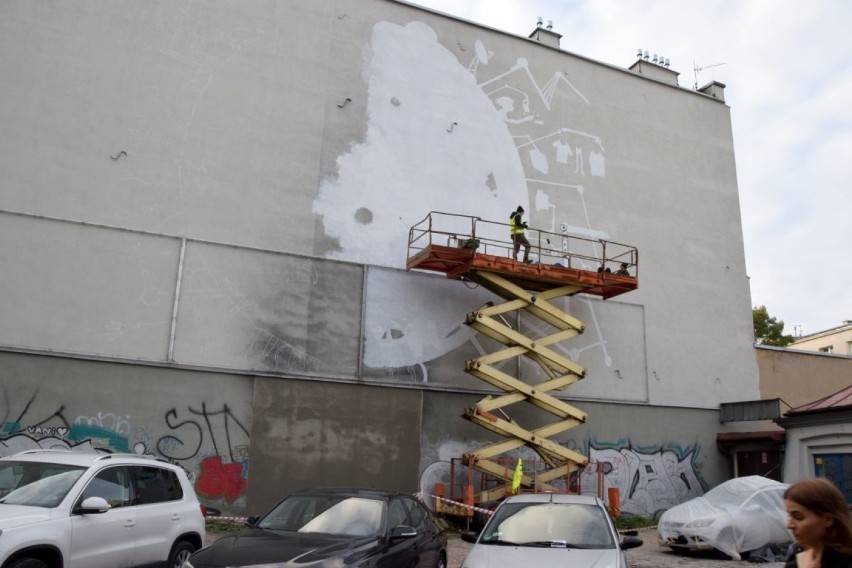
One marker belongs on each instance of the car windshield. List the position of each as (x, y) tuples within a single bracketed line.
[(329, 514), (36, 484), (556, 525)]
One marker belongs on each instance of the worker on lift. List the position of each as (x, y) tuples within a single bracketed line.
[(517, 226)]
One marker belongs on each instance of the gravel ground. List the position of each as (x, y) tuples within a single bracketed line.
[(652, 554)]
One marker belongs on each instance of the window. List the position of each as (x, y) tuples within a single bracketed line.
[(297, 511), (829, 349), (849, 347), (112, 484), (354, 516), (156, 485), (396, 513), (584, 526), (417, 514), (36, 484)]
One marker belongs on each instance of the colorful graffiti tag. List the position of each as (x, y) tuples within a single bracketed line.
[(649, 480)]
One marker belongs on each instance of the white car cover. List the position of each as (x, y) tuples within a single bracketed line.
[(739, 515)]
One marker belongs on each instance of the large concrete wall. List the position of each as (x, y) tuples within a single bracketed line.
[(228, 188), (323, 130)]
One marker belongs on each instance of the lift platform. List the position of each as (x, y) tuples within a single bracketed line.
[(562, 264), (462, 246)]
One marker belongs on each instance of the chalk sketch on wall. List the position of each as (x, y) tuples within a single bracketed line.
[(439, 470), (476, 138), (649, 480), (209, 441), (390, 338)]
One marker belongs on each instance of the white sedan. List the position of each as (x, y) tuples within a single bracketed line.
[(549, 530)]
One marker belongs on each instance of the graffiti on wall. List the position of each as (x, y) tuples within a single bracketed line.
[(209, 441), (649, 480), (220, 476)]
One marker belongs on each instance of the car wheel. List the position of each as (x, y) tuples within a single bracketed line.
[(27, 563), (442, 561), (181, 551)]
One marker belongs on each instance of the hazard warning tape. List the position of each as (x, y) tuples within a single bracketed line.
[(223, 518), (465, 505)]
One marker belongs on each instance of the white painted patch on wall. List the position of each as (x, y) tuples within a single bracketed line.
[(434, 142)]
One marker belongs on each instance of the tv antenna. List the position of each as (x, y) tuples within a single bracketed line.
[(698, 69)]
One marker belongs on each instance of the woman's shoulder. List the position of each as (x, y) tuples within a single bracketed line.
[(831, 557)]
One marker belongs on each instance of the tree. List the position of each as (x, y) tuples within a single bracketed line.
[(768, 330)]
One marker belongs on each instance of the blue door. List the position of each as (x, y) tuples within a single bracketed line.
[(836, 468)]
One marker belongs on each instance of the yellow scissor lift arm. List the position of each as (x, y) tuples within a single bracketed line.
[(468, 248), (561, 372)]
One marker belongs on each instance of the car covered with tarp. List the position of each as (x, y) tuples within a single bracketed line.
[(737, 516)]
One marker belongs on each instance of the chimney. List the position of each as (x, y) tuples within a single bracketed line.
[(715, 89), (658, 68), (546, 35)]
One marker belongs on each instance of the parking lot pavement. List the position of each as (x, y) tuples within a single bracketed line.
[(649, 555), (456, 551)]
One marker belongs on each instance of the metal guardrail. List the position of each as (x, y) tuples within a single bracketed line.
[(491, 237)]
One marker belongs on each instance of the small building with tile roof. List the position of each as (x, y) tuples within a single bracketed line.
[(819, 440)]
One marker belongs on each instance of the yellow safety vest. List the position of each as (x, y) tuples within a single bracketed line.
[(515, 228)]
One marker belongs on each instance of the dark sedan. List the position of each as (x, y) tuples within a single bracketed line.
[(319, 528)]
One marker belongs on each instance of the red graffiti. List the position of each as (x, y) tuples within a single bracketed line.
[(219, 479)]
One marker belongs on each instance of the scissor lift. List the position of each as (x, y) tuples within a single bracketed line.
[(471, 249)]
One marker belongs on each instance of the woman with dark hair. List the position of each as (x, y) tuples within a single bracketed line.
[(819, 521)]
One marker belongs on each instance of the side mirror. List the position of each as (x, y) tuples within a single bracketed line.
[(469, 536), (93, 505), (403, 531), (629, 542), (252, 521)]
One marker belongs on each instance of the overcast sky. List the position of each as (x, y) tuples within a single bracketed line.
[(787, 67)]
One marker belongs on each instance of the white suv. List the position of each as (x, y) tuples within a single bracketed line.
[(67, 509)]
